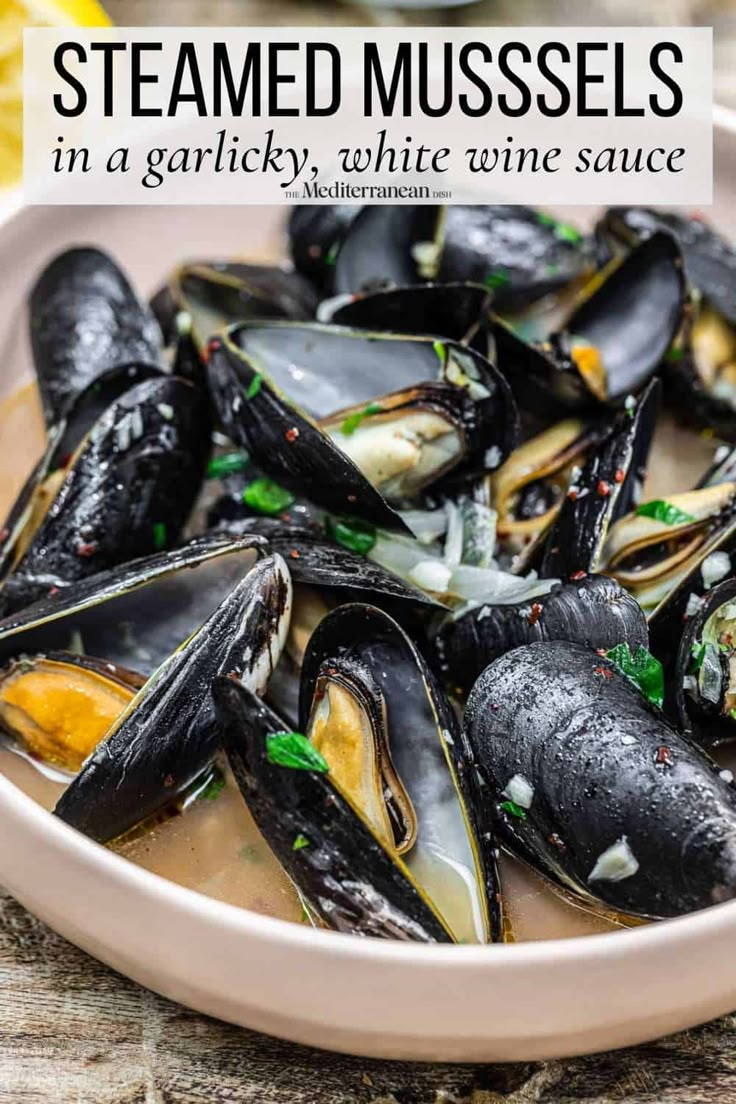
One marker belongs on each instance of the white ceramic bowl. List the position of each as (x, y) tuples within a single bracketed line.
[(525, 1001)]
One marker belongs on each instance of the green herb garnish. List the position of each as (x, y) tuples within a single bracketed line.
[(159, 536), (214, 788), (229, 464), (563, 230), (267, 497), (358, 536), (300, 843), (697, 651), (642, 668), (441, 350), (254, 386), (352, 421), (294, 750), (674, 353), (496, 279), (513, 809), (664, 512), (332, 252)]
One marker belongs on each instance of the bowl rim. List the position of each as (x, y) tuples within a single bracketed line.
[(246, 923)]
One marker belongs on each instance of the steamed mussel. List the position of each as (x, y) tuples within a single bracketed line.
[(280, 539)]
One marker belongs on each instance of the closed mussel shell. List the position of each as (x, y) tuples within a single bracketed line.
[(127, 491), (595, 789), (593, 610), (86, 319), (315, 235)]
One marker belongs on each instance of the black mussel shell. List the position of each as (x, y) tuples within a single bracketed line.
[(339, 866), (457, 311), (520, 253), (700, 371), (86, 319), (592, 610), (710, 260), (608, 487), (631, 318), (217, 294), (388, 246), (425, 741), (721, 470), (544, 379), (316, 561), (595, 789), (704, 685), (316, 233), (168, 735), (128, 491), (270, 380), (135, 615)]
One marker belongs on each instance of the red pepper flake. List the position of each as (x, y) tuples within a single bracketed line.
[(535, 614), (4, 534), (352, 498), (603, 488), (572, 495), (53, 591), (86, 549), (619, 476), (604, 672), (286, 517), (664, 756), (601, 652), (169, 781), (556, 841), (315, 252), (291, 434), (578, 575), (294, 554)]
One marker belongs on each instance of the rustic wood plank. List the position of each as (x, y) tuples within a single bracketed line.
[(74, 1032)]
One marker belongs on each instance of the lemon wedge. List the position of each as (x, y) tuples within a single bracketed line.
[(14, 16)]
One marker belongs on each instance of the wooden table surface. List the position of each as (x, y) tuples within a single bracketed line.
[(74, 1032)]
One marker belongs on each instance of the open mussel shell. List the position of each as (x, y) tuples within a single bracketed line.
[(629, 316), (449, 856), (608, 487), (127, 491), (652, 555), (56, 707), (273, 384), (346, 875), (86, 319), (710, 260), (315, 235), (457, 311), (705, 670), (595, 789), (389, 246), (700, 370), (527, 491), (593, 610), (217, 294), (167, 735), (135, 615), (522, 254)]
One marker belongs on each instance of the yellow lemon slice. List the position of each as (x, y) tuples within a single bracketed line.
[(14, 16)]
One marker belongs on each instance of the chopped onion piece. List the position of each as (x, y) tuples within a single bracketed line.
[(519, 790), (715, 567), (615, 864), (431, 575), (454, 539), (426, 525)]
